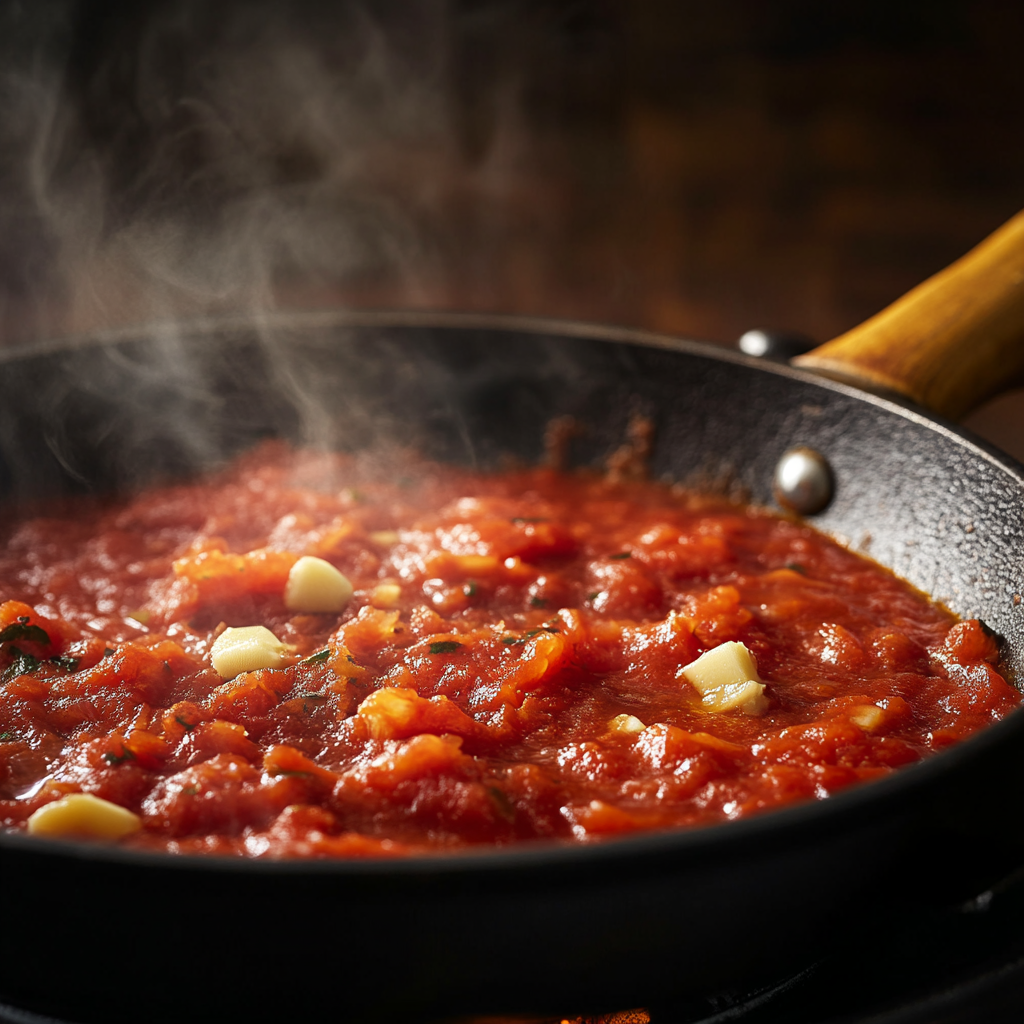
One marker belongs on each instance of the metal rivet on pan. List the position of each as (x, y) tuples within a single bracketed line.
[(777, 346), (803, 481)]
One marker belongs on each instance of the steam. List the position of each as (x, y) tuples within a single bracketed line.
[(169, 163), (164, 162), (189, 158)]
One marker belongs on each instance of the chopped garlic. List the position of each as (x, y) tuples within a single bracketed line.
[(747, 697), (867, 716), (477, 565), (316, 586), (384, 538), (629, 725), (727, 679), (385, 595), (246, 649), (81, 814)]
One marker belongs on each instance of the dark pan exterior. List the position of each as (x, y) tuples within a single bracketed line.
[(98, 934)]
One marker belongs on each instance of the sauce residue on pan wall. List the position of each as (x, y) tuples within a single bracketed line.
[(514, 662)]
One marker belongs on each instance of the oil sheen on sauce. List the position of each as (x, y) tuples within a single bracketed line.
[(509, 667)]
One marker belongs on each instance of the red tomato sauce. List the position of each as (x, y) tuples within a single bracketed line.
[(469, 691)]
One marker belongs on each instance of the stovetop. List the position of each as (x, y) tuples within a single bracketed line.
[(962, 965)]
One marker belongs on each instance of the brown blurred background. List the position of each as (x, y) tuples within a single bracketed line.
[(695, 168)]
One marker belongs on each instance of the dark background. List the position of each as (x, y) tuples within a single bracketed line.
[(697, 168)]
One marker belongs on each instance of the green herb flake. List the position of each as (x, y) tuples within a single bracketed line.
[(67, 663), (621, 555), (23, 630), (7, 737), (529, 635), (111, 758), (538, 602), (318, 658), (469, 588), (190, 790), (594, 595), (796, 567), (185, 723), (23, 665), (444, 646), (502, 803), (108, 651)]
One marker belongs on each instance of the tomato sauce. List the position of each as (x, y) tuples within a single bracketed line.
[(508, 668)]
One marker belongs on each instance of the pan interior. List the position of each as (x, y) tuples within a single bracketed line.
[(117, 413)]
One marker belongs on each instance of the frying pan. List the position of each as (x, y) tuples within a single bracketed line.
[(95, 933)]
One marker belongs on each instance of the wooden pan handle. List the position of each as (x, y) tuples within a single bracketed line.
[(949, 343)]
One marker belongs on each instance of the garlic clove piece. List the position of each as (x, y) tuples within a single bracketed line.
[(746, 696), (726, 678), (246, 649), (867, 716), (627, 725), (314, 585), (385, 595), (83, 815)]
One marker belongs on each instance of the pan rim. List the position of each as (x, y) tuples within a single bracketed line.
[(719, 840), (330, 317)]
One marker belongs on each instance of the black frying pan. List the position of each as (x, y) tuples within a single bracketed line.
[(95, 933)]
